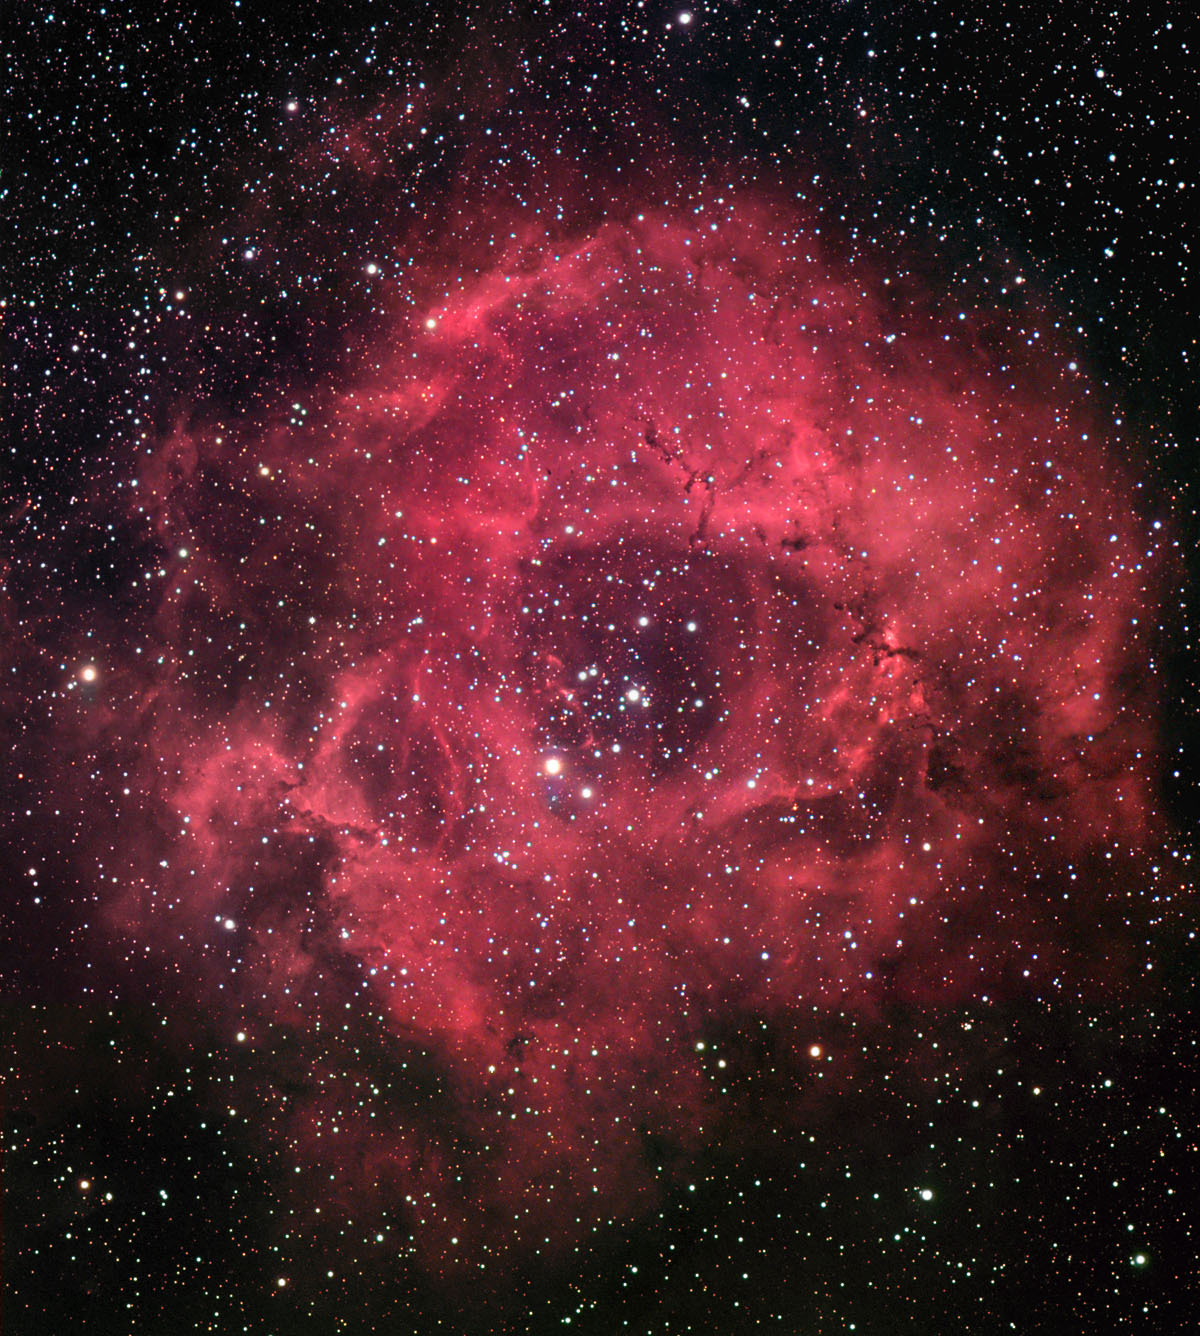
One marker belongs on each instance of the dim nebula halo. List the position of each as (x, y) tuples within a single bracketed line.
[(675, 621)]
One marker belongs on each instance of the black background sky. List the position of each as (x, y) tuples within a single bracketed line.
[(149, 149)]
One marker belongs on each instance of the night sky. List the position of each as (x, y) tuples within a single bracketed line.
[(597, 682)]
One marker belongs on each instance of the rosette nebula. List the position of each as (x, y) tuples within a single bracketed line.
[(587, 732), (597, 674), (674, 639)]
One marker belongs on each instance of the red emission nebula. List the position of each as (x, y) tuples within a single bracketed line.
[(673, 626)]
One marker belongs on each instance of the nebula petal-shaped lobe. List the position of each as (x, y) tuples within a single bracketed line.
[(676, 622)]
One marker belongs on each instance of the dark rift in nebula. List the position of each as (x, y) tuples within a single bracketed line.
[(670, 624)]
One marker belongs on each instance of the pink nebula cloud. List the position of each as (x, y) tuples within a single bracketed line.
[(824, 601)]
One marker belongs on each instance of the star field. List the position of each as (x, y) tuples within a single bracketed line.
[(599, 685)]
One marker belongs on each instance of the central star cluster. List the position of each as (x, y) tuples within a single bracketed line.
[(673, 623)]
